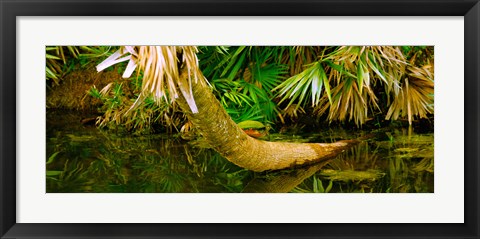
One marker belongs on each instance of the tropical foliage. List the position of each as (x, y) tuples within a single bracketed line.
[(56, 60), (61, 60), (268, 84)]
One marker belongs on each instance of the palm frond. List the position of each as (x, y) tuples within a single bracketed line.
[(416, 95), (347, 100), (307, 84), (210, 58), (160, 66), (235, 62), (366, 63)]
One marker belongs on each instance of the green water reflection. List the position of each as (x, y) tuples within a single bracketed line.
[(84, 159)]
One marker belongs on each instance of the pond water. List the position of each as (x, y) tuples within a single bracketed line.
[(85, 159)]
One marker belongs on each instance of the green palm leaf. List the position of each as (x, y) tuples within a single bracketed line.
[(308, 83)]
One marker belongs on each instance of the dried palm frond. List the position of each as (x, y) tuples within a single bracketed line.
[(365, 63), (347, 100), (161, 71), (292, 112), (353, 72), (389, 64), (415, 96)]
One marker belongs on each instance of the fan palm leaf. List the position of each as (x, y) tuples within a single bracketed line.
[(386, 63), (159, 65), (347, 100), (416, 95), (307, 84)]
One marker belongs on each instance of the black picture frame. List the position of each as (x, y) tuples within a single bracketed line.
[(470, 9)]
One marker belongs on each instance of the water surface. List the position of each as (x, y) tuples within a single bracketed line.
[(86, 159)]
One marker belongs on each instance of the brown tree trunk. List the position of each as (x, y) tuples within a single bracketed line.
[(223, 135)]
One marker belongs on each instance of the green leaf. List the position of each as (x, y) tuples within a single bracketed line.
[(316, 89), (237, 67), (233, 62), (48, 56), (51, 173), (329, 187), (50, 74), (73, 50), (52, 157), (374, 66), (326, 84), (308, 83), (317, 185), (339, 68), (360, 76), (95, 93), (251, 124), (268, 76)]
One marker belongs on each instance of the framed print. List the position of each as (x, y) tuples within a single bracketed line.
[(357, 65)]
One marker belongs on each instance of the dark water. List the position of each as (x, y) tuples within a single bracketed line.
[(85, 159)]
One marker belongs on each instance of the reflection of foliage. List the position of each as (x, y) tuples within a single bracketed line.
[(425, 165), (351, 175), (231, 181), (401, 165), (317, 187), (408, 168), (111, 163), (92, 160)]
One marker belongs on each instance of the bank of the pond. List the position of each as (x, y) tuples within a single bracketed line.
[(71, 93)]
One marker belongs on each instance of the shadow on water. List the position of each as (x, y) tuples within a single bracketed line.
[(85, 159)]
